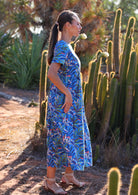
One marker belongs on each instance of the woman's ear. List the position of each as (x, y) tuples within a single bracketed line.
[(68, 24)]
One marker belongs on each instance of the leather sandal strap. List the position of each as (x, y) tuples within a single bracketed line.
[(50, 179), (69, 174)]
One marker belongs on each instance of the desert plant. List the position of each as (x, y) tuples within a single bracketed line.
[(23, 58), (116, 39), (133, 188), (88, 89), (42, 88), (130, 81), (114, 183), (131, 24), (110, 58), (108, 110), (39, 140)]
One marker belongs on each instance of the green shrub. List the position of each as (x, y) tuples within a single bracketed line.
[(22, 61)]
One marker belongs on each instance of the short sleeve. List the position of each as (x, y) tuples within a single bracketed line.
[(60, 52)]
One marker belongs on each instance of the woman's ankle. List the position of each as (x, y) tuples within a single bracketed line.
[(69, 170)]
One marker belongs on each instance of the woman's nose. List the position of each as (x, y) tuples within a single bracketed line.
[(80, 27)]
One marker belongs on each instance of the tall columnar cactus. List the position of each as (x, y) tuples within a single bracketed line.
[(131, 24), (110, 58), (42, 87), (97, 69), (129, 91), (136, 48), (115, 111), (133, 188), (123, 86), (88, 90), (116, 39), (114, 181), (100, 76), (136, 94), (102, 92), (108, 110)]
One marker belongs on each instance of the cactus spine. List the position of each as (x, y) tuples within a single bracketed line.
[(114, 177), (116, 40), (133, 189)]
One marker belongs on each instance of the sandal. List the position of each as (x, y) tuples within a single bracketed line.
[(69, 178), (53, 186)]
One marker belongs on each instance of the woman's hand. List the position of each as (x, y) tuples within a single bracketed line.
[(68, 102)]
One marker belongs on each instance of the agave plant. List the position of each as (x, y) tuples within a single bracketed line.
[(23, 61)]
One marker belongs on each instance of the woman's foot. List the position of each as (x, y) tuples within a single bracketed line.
[(69, 178), (51, 185)]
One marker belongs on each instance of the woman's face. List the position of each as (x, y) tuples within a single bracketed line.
[(75, 27)]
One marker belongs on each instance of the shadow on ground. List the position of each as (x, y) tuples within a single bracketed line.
[(26, 173)]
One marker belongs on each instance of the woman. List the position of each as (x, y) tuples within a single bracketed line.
[(68, 137)]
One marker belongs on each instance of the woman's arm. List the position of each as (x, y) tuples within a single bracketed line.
[(54, 78)]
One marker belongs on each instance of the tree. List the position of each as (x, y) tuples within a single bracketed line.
[(24, 14), (16, 17)]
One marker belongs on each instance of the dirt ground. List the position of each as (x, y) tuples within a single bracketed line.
[(21, 170)]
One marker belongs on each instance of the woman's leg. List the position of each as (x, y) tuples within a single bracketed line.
[(68, 170), (51, 171), (50, 182)]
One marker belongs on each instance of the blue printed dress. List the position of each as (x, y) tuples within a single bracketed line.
[(68, 136)]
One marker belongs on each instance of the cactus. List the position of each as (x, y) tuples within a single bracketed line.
[(42, 88), (114, 181), (136, 48), (108, 110), (112, 98), (91, 71), (130, 25), (97, 69), (100, 76), (110, 59), (88, 90), (133, 188), (114, 115), (123, 87), (127, 59), (116, 39), (129, 91), (136, 86), (103, 65), (102, 92)]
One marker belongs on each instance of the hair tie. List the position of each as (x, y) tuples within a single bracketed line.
[(57, 23)]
